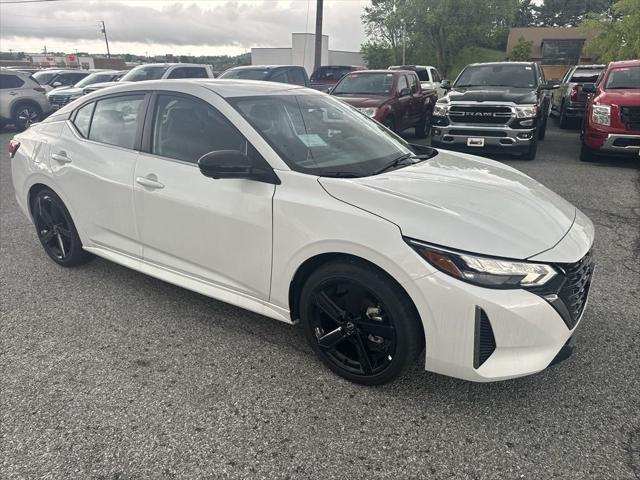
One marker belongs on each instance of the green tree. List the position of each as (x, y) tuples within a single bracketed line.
[(568, 13), (617, 34), (521, 51), (383, 23), (377, 54)]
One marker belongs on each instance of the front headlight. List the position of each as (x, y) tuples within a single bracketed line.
[(485, 271), (526, 111), (369, 111), (601, 114), (440, 110)]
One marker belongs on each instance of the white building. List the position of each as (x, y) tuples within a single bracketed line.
[(302, 52)]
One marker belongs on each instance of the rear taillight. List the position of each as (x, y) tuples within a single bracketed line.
[(574, 93), (40, 89), (13, 147)]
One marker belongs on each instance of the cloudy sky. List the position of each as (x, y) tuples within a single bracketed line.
[(186, 27)]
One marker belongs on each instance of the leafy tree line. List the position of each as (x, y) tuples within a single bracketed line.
[(437, 32)]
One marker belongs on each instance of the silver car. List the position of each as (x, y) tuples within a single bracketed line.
[(22, 99)]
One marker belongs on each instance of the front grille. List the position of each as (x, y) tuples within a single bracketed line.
[(59, 100), (478, 133), (626, 142), (480, 114), (630, 116), (575, 289), (485, 342)]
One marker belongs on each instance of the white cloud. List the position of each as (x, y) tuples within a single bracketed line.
[(184, 27)]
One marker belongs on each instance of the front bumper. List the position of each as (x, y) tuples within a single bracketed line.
[(483, 335), (622, 143), (496, 139)]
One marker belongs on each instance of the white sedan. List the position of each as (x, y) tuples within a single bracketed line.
[(289, 203)]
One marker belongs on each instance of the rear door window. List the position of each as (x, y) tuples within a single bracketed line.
[(115, 120), (10, 81), (195, 72), (402, 83), (296, 76), (413, 83), (435, 75), (280, 76)]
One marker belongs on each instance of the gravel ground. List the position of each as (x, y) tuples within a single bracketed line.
[(108, 374)]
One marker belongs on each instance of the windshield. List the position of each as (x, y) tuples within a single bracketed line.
[(141, 73), (585, 76), (329, 74), (500, 75), (44, 77), (94, 78), (365, 84), (246, 74), (623, 78), (320, 135)]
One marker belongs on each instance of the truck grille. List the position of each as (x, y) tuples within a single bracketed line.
[(58, 101), (575, 290), (630, 116), (480, 114)]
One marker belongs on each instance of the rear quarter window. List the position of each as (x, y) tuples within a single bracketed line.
[(10, 81)]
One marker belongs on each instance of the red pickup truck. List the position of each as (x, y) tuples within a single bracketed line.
[(394, 98), (612, 115)]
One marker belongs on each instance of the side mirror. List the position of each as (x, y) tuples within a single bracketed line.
[(330, 89), (445, 84), (589, 88), (404, 92), (550, 85), (235, 164), (56, 84)]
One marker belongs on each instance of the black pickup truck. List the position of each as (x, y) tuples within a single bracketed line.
[(499, 107)]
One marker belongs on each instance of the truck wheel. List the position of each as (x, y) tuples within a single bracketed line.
[(390, 124), (530, 154), (422, 128), (563, 121), (542, 129), (586, 154)]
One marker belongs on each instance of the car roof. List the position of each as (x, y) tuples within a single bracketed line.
[(175, 64), (589, 67), (501, 63), (262, 67), (225, 88)]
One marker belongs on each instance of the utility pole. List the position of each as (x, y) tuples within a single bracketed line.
[(317, 63), (103, 29), (404, 43)]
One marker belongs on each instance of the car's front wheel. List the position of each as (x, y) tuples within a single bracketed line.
[(360, 323), (56, 230)]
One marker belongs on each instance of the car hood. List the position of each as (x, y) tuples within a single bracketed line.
[(362, 102), (628, 98), (492, 94), (66, 91), (463, 202)]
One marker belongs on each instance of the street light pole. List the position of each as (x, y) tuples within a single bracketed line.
[(103, 29), (317, 61)]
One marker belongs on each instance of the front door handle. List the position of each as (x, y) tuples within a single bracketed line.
[(150, 181), (61, 157)]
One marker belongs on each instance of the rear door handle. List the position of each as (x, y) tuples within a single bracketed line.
[(60, 157), (150, 181)]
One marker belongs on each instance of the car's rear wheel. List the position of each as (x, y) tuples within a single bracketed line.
[(542, 129), (56, 230), (563, 121), (359, 322), (25, 114), (532, 151)]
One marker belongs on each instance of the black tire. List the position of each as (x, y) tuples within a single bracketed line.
[(542, 129), (422, 128), (364, 300), (563, 121), (390, 124), (56, 230), (586, 154), (24, 114), (530, 154)]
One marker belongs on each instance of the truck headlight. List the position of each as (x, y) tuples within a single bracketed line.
[(369, 111), (440, 110), (601, 114), (526, 111), (485, 271)]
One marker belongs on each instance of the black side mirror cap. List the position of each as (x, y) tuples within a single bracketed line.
[(445, 84), (235, 164), (589, 88)]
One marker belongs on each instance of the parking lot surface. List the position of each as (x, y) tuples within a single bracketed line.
[(106, 373)]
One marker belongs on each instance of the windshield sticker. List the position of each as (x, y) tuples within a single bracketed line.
[(312, 140)]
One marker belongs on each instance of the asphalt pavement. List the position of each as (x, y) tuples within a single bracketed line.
[(106, 373)]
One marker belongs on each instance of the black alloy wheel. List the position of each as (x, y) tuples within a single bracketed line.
[(56, 230), (25, 115), (362, 327)]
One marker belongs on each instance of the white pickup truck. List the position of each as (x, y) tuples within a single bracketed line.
[(429, 76)]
